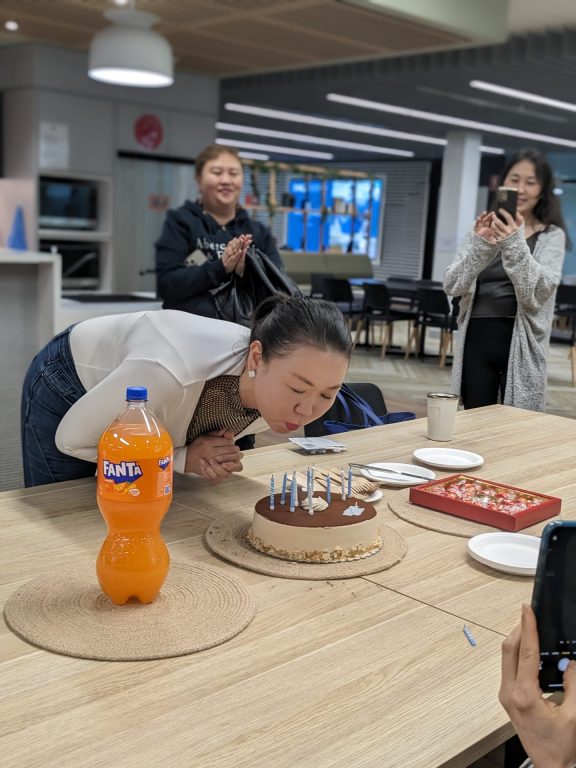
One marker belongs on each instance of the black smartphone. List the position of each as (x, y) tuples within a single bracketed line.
[(507, 198), (554, 601)]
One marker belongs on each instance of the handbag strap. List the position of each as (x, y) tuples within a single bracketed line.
[(347, 395)]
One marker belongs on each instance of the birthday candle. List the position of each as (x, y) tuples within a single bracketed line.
[(293, 492), (283, 495), (271, 491), (349, 482), (342, 484), (310, 510), (328, 490)]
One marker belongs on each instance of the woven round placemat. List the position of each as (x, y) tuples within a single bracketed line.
[(227, 537), (442, 522), (65, 611)]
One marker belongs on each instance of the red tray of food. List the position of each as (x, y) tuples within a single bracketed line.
[(484, 501)]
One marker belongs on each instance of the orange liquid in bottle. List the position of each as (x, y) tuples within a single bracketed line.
[(134, 492)]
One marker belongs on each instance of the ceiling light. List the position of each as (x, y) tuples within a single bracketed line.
[(325, 122), (522, 95), (11, 26), (434, 117), (276, 150), (492, 150), (253, 156), (130, 53), (307, 139)]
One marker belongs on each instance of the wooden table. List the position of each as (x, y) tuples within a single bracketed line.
[(371, 672)]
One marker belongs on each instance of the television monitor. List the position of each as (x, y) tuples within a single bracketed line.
[(67, 204)]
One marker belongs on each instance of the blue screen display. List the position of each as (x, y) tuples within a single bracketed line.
[(353, 221)]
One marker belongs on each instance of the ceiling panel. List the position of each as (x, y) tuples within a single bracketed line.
[(383, 31)]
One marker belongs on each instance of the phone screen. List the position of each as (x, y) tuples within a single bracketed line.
[(554, 602), (507, 198)]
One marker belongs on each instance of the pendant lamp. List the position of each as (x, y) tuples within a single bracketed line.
[(130, 53)]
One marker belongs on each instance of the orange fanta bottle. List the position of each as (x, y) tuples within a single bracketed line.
[(134, 491)]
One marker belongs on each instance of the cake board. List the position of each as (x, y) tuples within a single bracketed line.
[(226, 538)]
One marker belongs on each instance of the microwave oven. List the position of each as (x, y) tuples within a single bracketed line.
[(80, 263), (67, 204)]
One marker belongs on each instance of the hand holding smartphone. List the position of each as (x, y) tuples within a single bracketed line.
[(554, 602), (506, 198)]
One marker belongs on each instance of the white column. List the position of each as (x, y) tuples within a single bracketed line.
[(458, 196)]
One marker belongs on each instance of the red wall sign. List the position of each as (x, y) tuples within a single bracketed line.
[(148, 131)]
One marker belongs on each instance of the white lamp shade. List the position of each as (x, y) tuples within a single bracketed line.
[(129, 53)]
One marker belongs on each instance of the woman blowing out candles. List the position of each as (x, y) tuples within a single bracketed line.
[(209, 382), (506, 274)]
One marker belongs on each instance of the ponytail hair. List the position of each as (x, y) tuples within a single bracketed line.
[(282, 323)]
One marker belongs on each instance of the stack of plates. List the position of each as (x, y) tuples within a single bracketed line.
[(383, 472)]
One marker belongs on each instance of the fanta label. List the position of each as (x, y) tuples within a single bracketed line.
[(164, 463), (122, 472)]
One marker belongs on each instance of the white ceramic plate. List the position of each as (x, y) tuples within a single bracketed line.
[(380, 475), (448, 458), (374, 497), (514, 553)]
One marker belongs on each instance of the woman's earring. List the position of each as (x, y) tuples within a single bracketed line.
[(251, 374)]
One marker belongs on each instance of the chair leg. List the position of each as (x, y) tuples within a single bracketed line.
[(413, 336), (573, 362), (444, 344), (386, 339), (357, 332)]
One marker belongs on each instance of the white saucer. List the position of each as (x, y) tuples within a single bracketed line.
[(389, 478), (448, 458), (374, 497), (514, 553)]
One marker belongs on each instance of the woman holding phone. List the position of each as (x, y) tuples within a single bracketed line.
[(506, 274)]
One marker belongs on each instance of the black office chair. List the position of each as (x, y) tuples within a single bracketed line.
[(434, 311), (339, 291), (565, 312), (369, 392), (317, 284), (377, 308)]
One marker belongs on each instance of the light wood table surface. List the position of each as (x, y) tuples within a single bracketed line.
[(372, 672)]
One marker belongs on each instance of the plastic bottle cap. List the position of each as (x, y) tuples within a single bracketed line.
[(136, 393)]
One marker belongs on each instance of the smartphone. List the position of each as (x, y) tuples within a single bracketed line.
[(507, 198), (554, 601)]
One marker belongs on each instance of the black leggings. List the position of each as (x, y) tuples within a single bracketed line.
[(486, 352)]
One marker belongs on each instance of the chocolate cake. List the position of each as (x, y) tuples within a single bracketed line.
[(346, 530)]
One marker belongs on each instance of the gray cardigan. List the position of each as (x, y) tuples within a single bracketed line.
[(535, 278)]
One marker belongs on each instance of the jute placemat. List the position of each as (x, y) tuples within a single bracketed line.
[(227, 537), (442, 522), (66, 612)]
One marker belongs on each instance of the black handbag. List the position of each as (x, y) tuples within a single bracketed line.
[(353, 412), (237, 299)]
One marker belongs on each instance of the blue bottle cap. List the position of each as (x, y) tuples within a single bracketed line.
[(136, 393)]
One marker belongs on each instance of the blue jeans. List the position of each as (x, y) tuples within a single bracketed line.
[(51, 388)]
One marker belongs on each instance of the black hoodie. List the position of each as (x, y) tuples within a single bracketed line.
[(184, 280)]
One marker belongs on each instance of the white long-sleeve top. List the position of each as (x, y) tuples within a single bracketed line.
[(171, 353)]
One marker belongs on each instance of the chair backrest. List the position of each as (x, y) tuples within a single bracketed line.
[(566, 295), (433, 301), (367, 391), (401, 279), (337, 289), (317, 284), (376, 297)]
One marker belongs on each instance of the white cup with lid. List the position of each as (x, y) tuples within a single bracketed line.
[(442, 407)]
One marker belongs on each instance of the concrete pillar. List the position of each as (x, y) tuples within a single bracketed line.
[(458, 196)]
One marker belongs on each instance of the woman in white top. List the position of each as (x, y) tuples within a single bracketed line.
[(209, 382)]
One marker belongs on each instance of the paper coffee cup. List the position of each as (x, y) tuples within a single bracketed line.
[(442, 408)]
